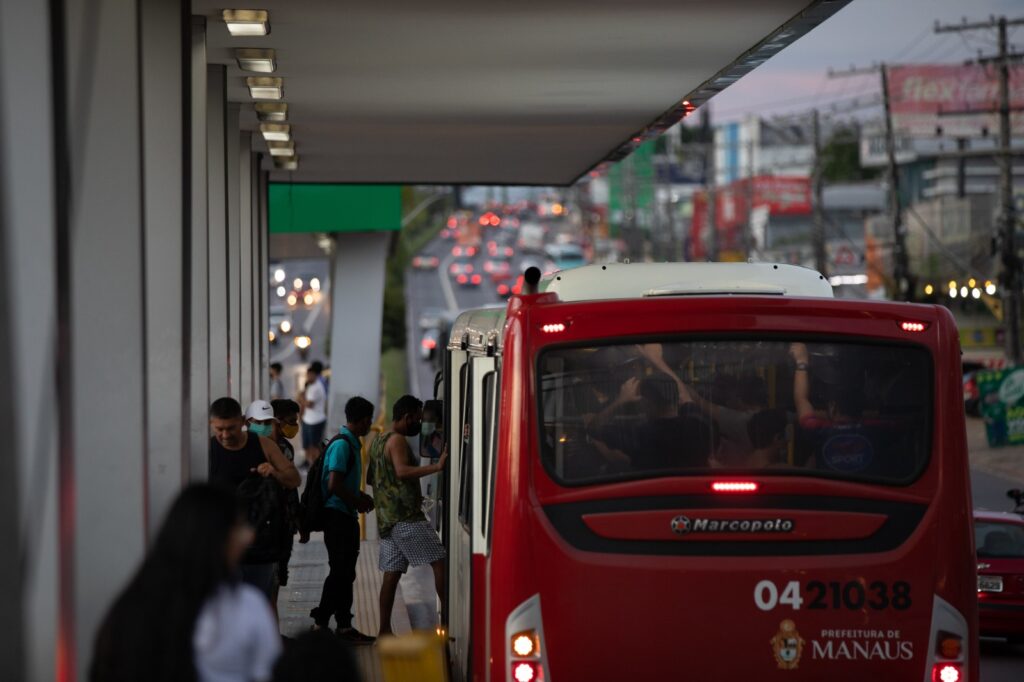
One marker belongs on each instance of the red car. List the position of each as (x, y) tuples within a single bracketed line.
[(469, 280), (499, 270), (426, 262), (999, 538)]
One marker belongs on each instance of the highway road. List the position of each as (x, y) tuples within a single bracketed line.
[(313, 322)]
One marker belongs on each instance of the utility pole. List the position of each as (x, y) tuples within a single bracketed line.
[(1010, 260), (905, 283), (710, 179), (817, 178)]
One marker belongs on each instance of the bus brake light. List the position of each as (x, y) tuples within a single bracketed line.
[(945, 672), (734, 487), (525, 672), (553, 328), (910, 326)]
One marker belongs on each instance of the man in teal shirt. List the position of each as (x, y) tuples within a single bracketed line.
[(344, 501)]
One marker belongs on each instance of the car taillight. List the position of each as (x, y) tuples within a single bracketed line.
[(476, 279), (462, 279), (734, 487), (429, 344), (945, 672), (913, 326), (456, 251), (502, 289)]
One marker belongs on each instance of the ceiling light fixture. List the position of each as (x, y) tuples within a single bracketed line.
[(276, 132), (281, 148), (265, 87), (257, 60), (247, 22), (272, 111), (287, 162)]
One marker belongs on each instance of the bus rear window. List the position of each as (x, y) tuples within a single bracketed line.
[(841, 410)]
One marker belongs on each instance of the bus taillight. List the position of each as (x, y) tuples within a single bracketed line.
[(553, 328), (912, 326), (527, 672), (945, 672), (525, 644), (734, 487)]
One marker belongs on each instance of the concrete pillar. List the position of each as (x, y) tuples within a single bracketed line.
[(246, 391), (263, 323), (167, 309), (103, 479), (29, 579), (217, 224), (357, 299), (198, 280), (233, 269)]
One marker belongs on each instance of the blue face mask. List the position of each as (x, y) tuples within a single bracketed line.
[(261, 429)]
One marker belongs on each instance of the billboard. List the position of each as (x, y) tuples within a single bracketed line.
[(918, 93), (774, 195)]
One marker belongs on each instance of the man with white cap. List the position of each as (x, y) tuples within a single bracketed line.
[(260, 419)]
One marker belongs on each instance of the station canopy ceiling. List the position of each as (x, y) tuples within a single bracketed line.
[(497, 92)]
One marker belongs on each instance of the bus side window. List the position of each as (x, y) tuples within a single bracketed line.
[(466, 463), (490, 441)]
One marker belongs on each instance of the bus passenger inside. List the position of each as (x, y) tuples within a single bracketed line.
[(744, 396), (668, 437)]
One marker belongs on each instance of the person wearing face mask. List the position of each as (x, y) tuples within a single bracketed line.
[(407, 538), (254, 466), (286, 426)]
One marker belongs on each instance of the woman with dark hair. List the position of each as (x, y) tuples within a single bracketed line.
[(185, 616)]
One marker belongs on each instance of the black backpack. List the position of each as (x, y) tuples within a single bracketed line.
[(312, 503), (261, 497)]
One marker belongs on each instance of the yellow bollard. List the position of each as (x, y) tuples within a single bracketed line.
[(418, 656)]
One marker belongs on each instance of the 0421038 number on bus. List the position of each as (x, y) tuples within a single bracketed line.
[(852, 595)]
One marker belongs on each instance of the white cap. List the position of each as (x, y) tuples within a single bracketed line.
[(260, 410)]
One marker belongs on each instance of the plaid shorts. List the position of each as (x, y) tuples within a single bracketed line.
[(410, 542)]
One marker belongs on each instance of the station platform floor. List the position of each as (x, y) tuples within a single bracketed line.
[(415, 603)]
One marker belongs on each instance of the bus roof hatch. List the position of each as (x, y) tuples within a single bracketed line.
[(625, 280)]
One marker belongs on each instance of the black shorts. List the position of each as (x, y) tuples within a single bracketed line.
[(312, 434)]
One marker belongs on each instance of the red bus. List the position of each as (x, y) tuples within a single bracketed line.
[(707, 471)]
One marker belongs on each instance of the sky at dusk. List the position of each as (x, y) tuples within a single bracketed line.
[(862, 33)]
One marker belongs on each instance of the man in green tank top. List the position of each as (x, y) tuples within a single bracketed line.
[(406, 535)]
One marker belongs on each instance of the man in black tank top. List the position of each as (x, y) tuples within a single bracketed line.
[(237, 455)]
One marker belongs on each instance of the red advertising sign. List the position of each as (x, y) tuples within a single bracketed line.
[(918, 93), (781, 195)]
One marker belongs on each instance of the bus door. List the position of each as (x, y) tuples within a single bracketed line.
[(470, 377)]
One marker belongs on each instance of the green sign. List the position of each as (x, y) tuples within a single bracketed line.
[(1001, 393), (334, 208)]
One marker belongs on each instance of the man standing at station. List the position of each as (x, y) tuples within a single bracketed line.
[(344, 501), (314, 411), (407, 538), (236, 457)]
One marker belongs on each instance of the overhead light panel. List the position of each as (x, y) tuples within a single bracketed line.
[(247, 22), (287, 162), (281, 148), (265, 87), (276, 132), (272, 111), (258, 60)]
